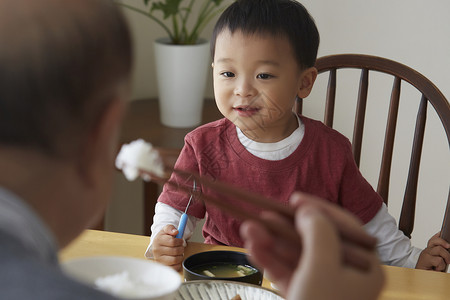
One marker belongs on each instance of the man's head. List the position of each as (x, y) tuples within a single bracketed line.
[(64, 80), (61, 62)]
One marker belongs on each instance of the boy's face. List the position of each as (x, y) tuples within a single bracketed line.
[(256, 81)]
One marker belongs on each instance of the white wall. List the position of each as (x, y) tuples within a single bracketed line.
[(414, 32)]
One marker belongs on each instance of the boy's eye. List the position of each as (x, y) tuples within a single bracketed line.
[(227, 74), (264, 76)]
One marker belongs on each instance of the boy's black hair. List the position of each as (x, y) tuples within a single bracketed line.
[(286, 18)]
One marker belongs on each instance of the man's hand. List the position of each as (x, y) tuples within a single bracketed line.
[(318, 270)]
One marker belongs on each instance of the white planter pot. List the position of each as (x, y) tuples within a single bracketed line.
[(182, 72)]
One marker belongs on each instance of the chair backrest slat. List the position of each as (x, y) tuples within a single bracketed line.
[(360, 115), (331, 99), (388, 148), (406, 223), (430, 93)]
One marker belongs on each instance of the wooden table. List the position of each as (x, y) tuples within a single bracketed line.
[(401, 283), (143, 121)]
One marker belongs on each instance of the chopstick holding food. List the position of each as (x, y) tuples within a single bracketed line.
[(152, 169)]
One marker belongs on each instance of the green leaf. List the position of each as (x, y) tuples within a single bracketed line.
[(168, 7), (178, 29), (217, 2)]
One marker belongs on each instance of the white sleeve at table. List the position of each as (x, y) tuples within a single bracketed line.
[(167, 215), (394, 248)]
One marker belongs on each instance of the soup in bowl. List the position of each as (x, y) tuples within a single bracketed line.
[(221, 265)]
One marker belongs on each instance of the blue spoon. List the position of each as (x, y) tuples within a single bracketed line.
[(184, 218)]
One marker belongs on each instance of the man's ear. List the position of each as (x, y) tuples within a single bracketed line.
[(306, 82), (101, 141)]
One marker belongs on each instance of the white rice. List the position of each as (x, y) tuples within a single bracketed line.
[(123, 286), (139, 155)]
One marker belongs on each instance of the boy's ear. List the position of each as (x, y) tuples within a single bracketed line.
[(306, 82)]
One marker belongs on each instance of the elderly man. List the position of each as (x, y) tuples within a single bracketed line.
[(64, 81)]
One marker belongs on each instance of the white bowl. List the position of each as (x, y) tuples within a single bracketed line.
[(126, 277)]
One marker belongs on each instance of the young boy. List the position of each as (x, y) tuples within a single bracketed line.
[(263, 59)]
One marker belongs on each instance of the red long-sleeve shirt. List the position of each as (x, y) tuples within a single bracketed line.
[(322, 165)]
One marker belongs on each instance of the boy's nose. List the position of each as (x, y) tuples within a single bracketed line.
[(245, 88)]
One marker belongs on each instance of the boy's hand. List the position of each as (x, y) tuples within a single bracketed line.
[(167, 249), (436, 256)]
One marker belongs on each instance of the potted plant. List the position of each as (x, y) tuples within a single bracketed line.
[(181, 54)]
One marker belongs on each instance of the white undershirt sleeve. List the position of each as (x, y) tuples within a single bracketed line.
[(394, 248), (167, 215)]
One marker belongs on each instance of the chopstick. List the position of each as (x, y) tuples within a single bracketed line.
[(267, 204)]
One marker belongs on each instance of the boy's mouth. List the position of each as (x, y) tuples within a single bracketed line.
[(246, 110)]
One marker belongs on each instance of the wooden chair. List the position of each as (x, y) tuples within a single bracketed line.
[(430, 95)]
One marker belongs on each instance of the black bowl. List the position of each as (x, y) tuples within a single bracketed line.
[(198, 260)]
